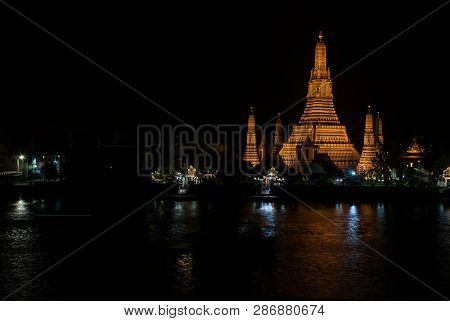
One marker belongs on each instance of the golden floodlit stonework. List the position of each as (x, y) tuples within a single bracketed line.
[(251, 152), (414, 154), (373, 142), (319, 125)]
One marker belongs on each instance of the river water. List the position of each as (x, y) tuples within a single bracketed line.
[(226, 250)]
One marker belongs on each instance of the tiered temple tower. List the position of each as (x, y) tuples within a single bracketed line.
[(379, 132), (319, 121), (261, 149), (371, 143), (251, 152), (278, 137)]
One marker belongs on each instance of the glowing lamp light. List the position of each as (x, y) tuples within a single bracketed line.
[(353, 173), (21, 157)]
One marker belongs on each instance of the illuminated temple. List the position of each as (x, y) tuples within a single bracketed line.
[(373, 141), (319, 130), (414, 155), (251, 152), (278, 137)]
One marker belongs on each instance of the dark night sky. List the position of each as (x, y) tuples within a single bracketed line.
[(209, 62)]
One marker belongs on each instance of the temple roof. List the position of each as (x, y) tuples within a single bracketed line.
[(447, 172), (414, 151)]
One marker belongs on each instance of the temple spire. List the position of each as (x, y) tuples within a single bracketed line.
[(320, 59), (369, 137), (251, 152), (278, 131), (379, 130), (319, 122), (370, 148), (319, 85)]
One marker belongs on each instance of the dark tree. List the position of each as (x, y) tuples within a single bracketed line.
[(381, 168), (50, 171)]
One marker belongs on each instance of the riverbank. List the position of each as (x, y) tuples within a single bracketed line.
[(143, 190), (318, 193)]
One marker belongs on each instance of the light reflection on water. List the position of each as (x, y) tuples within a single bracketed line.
[(181, 208), (247, 247), (380, 213), (444, 224), (268, 212), (353, 223), (21, 237), (184, 273), (268, 215), (18, 210), (339, 209)]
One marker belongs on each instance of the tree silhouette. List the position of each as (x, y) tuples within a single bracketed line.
[(381, 168), (50, 171)]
